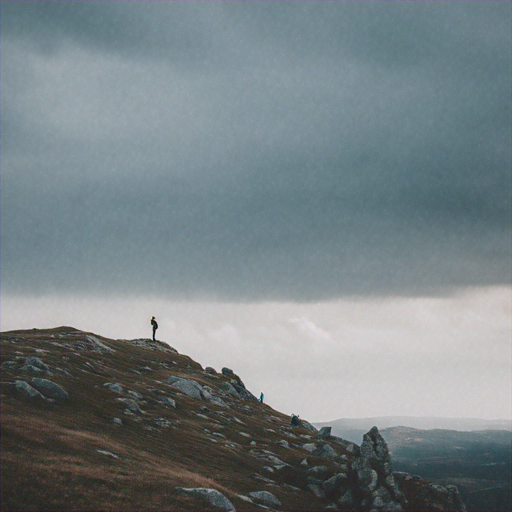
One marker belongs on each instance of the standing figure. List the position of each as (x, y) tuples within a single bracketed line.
[(262, 396), (155, 327)]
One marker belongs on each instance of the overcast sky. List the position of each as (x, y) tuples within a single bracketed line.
[(285, 181)]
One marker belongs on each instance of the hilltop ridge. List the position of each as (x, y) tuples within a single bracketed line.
[(91, 423)]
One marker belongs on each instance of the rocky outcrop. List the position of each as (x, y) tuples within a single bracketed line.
[(374, 475)]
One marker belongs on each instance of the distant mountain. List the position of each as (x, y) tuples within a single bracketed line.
[(353, 429), (477, 462)]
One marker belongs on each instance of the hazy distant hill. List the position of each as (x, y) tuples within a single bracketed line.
[(353, 429), (477, 462)]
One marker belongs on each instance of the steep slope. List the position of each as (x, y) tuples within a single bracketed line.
[(90, 423)]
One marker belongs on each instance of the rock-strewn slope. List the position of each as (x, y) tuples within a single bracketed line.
[(90, 423)]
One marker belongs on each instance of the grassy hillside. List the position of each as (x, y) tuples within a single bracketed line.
[(95, 424)]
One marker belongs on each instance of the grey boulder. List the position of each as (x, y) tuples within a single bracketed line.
[(212, 496), (50, 389), (188, 386), (25, 389), (264, 497)]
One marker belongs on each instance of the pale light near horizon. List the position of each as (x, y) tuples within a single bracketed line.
[(445, 357)]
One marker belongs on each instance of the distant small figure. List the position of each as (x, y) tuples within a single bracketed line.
[(155, 327), (262, 396), (294, 421)]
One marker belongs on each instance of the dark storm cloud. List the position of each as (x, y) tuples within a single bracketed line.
[(296, 151)]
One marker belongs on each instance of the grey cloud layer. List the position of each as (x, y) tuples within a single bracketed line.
[(296, 151)]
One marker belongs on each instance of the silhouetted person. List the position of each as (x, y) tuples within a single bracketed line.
[(295, 421), (262, 396), (155, 327)]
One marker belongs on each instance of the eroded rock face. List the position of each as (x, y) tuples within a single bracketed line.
[(376, 484)]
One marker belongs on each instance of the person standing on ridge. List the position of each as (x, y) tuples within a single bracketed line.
[(155, 327)]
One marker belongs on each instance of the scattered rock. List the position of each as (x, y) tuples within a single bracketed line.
[(37, 363), (143, 369), (308, 426), (227, 371), (25, 389), (347, 500), (211, 496), (161, 422), (50, 389), (167, 401), (115, 387), (132, 407), (210, 370), (334, 485), (229, 389), (108, 454), (316, 489), (326, 451), (97, 345), (188, 386), (325, 432), (265, 497), (117, 421), (318, 471), (208, 394), (136, 395)]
